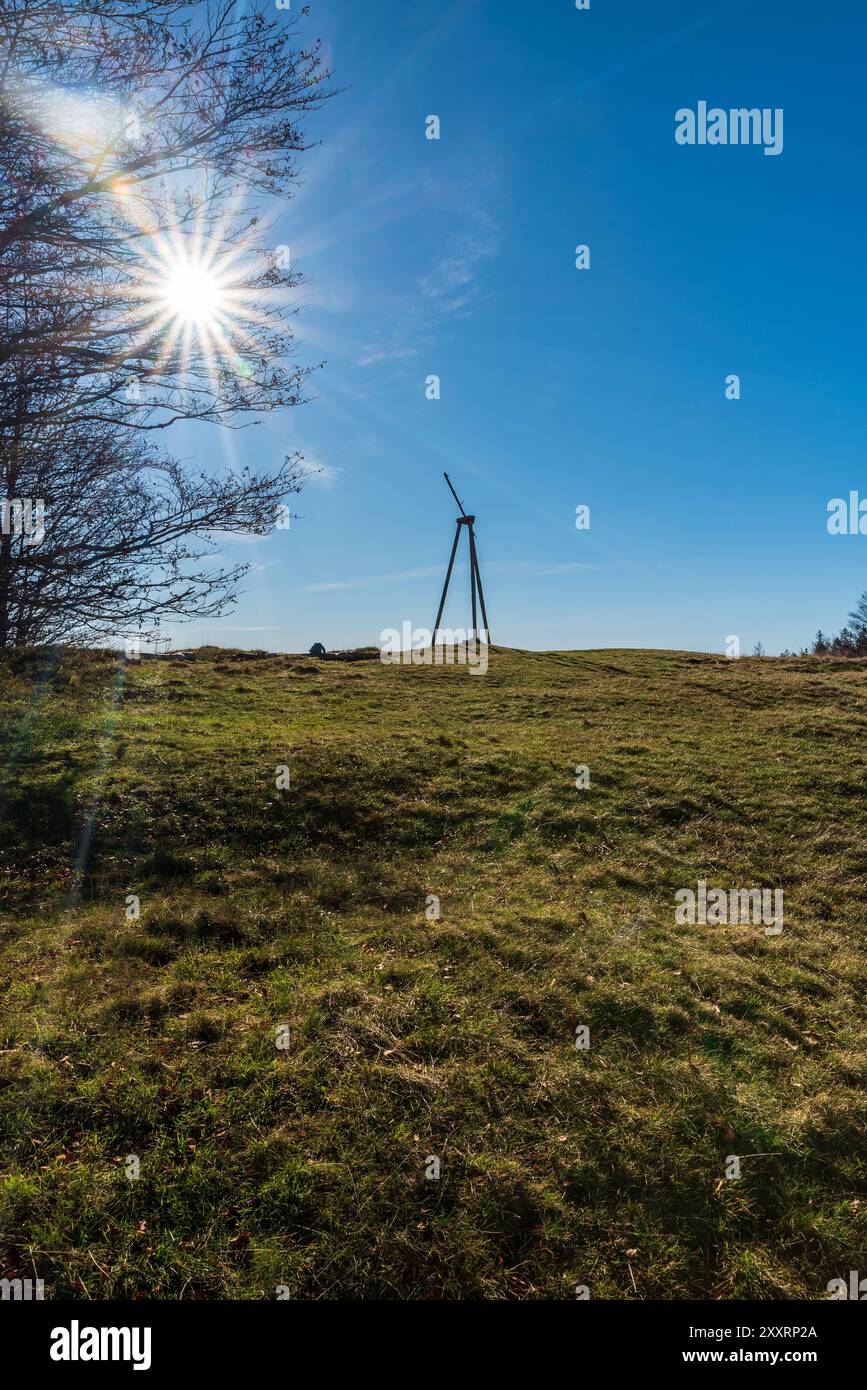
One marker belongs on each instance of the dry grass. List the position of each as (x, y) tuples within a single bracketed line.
[(305, 1167)]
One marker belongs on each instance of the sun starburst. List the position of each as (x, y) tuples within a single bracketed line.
[(193, 294), (204, 304)]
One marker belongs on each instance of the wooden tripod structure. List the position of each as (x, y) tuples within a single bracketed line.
[(475, 576)]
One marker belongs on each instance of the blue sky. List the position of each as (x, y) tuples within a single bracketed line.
[(562, 387)]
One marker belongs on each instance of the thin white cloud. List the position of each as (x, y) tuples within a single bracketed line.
[(530, 568), (524, 569), (393, 350), (370, 581), (452, 283), (314, 470)]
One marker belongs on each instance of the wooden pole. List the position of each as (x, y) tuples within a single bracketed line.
[(446, 586), (475, 564)]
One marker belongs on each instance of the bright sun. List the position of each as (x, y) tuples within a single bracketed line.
[(201, 300), (194, 295)]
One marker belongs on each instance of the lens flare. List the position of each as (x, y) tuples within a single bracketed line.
[(204, 303), (201, 305), (193, 294)]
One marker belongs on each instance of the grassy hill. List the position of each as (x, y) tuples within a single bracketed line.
[(304, 1166)]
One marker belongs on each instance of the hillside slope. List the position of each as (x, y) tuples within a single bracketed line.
[(304, 909)]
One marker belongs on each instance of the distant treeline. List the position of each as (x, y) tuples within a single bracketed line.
[(851, 641)]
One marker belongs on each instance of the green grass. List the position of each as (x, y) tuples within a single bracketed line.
[(260, 908)]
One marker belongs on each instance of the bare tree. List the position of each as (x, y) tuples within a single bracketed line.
[(858, 618), (851, 641), (120, 536), (137, 140), (146, 131)]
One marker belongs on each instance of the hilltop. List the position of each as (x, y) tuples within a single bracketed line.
[(310, 908)]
